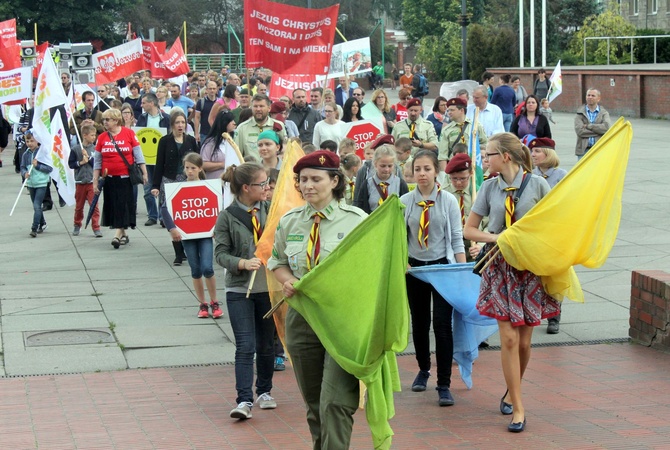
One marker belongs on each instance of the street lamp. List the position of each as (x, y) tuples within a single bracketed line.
[(343, 18)]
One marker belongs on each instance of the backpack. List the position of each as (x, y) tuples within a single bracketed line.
[(423, 86)]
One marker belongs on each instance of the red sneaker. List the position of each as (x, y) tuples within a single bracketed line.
[(204, 311), (216, 310)]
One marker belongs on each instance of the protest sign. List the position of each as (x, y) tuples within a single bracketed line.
[(194, 207), (118, 62), (15, 84)]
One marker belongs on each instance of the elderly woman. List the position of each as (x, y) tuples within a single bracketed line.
[(117, 149)]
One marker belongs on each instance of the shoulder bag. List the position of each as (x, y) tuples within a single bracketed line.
[(134, 171)]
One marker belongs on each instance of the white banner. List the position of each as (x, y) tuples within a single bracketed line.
[(16, 84), (48, 93), (57, 155)]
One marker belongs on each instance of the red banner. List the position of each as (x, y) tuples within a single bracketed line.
[(118, 62), (284, 84), (151, 51), (40, 50), (170, 64), (10, 57), (8, 33), (288, 39)]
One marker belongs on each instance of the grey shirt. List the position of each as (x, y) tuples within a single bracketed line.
[(374, 195), (491, 198), (445, 232), (553, 175)]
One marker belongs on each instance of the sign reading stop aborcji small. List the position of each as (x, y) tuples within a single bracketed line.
[(194, 206)]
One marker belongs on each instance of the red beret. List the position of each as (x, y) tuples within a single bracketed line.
[(320, 159), (460, 161), (457, 101), (277, 107), (542, 143), (381, 140), (413, 102)]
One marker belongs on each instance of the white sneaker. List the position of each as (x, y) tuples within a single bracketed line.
[(265, 401), (243, 411)]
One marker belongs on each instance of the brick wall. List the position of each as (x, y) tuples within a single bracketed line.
[(634, 94), (650, 308)]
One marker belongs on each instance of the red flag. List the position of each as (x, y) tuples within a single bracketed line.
[(8, 33), (284, 84), (152, 51), (41, 51), (288, 39), (10, 57), (118, 62), (172, 63)]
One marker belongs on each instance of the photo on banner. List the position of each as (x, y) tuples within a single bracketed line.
[(350, 58)]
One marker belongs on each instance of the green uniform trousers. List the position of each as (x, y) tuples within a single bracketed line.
[(330, 393)]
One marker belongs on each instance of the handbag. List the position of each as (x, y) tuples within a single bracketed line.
[(477, 270), (134, 171)]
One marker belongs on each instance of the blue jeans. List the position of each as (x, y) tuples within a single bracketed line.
[(149, 199), (200, 256), (507, 121), (253, 334), (203, 137), (37, 197)]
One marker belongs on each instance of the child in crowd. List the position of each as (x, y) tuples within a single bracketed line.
[(383, 179), (546, 111), (308, 148), (368, 152), (350, 164), (199, 252), (347, 146), (329, 145), (81, 160), (273, 176), (403, 152), (36, 176)]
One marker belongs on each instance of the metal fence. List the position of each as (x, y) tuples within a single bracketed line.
[(216, 61), (632, 38)]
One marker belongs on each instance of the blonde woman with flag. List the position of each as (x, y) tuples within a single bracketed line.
[(238, 229), (435, 236), (515, 298), (305, 237)]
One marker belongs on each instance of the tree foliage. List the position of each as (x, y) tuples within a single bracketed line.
[(608, 23)]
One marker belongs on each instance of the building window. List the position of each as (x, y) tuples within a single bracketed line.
[(635, 7), (652, 6)]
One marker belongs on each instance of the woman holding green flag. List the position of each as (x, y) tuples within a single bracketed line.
[(306, 236)]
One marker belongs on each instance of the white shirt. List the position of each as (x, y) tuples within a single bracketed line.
[(324, 131), (490, 118)]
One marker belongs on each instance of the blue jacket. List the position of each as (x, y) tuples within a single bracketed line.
[(39, 177), (504, 98)]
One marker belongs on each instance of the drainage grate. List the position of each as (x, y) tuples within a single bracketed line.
[(68, 337)]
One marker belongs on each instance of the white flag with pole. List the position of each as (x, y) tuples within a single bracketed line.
[(556, 81)]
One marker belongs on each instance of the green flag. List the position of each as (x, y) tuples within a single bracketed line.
[(356, 303)]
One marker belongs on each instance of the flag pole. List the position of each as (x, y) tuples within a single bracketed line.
[(35, 33), (185, 40), (251, 282), (23, 185)]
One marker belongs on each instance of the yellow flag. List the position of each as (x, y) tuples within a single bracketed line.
[(285, 198), (577, 222)]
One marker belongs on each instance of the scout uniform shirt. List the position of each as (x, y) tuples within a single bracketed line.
[(423, 131), (552, 175), (451, 135), (246, 135), (292, 236)]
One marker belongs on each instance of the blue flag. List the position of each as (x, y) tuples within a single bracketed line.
[(460, 287)]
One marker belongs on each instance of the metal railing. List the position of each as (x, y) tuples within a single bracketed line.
[(632, 55), (216, 61)]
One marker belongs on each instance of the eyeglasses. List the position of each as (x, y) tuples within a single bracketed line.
[(262, 185), (358, 95), (488, 155)]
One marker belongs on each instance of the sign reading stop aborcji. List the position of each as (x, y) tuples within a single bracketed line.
[(194, 206)]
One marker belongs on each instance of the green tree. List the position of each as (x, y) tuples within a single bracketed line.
[(609, 23), (427, 17), (69, 20), (442, 54)]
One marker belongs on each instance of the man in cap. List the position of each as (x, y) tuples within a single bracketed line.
[(457, 130), (419, 130), (459, 171), (244, 103), (248, 132)]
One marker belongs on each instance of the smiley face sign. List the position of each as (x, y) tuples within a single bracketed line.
[(149, 138)]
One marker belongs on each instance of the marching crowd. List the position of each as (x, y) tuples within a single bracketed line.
[(422, 157)]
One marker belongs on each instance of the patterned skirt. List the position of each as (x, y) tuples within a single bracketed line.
[(514, 295)]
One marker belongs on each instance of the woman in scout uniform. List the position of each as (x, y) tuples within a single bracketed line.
[(515, 298), (269, 147), (306, 236), (379, 183), (435, 236), (545, 162), (237, 231)]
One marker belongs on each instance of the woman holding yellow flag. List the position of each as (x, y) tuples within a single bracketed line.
[(305, 237), (516, 299)]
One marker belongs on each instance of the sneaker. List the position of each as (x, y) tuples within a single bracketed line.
[(75, 231), (265, 401), (216, 310), (420, 381), (42, 229), (279, 364), (97, 233), (243, 411), (33, 233), (445, 396), (204, 311), (150, 222), (553, 327), (177, 261)]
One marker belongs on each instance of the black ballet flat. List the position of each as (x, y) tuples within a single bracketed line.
[(506, 408), (517, 427)]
